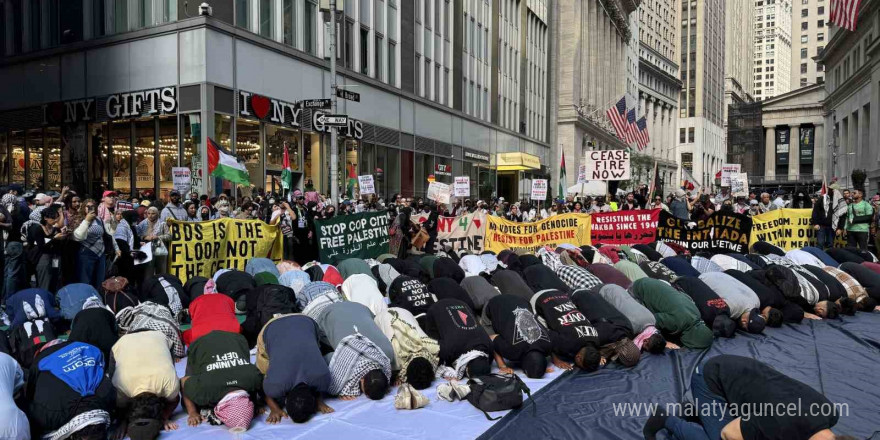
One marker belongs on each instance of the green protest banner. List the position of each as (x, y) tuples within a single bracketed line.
[(363, 235)]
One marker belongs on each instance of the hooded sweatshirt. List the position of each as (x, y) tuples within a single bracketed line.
[(517, 328), (707, 301), (569, 328), (540, 277), (674, 311), (453, 324), (447, 288), (609, 275), (509, 282), (611, 325), (630, 269), (211, 312), (352, 266), (410, 294), (480, 291)]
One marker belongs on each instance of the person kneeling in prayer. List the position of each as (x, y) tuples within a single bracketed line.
[(573, 337), (518, 336), (465, 347)]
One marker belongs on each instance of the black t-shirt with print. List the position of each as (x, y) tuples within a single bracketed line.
[(411, 294), (569, 329), (611, 325), (517, 327), (745, 381), (218, 363), (453, 324)]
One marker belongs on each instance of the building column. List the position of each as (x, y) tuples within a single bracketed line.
[(794, 152), (769, 153), (820, 152), (671, 134)]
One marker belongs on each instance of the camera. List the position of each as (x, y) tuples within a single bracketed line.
[(206, 9)]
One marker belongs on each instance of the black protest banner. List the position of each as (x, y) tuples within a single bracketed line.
[(721, 232), (363, 235)]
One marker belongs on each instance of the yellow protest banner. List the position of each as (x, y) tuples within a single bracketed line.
[(502, 234), (787, 228), (202, 248)]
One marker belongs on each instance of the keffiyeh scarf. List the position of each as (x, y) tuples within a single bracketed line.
[(461, 363), (410, 343), (550, 258), (152, 316), (78, 422), (353, 359), (576, 277)]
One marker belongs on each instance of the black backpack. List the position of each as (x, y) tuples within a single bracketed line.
[(497, 392), (264, 303), (27, 339)]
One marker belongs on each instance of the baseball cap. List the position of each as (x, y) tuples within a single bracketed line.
[(753, 202), (109, 194), (144, 429), (756, 322)]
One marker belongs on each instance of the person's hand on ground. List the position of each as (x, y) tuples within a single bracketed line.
[(170, 426), (811, 316), (275, 417), (562, 364), (602, 361), (347, 398), (549, 370), (505, 370), (194, 420), (324, 409), (672, 346)]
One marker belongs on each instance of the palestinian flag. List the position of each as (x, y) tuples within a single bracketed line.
[(654, 189), (226, 166), (352, 182), (286, 175), (824, 190), (562, 182)]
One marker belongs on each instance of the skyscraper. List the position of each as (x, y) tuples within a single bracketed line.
[(810, 32), (659, 83), (773, 56), (739, 52), (701, 101)]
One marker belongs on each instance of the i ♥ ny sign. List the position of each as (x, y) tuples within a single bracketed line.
[(252, 105)]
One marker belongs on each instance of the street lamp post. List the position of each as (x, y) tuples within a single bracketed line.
[(334, 145)]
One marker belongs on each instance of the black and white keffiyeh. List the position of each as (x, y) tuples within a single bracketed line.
[(78, 422), (457, 372), (152, 316), (173, 297), (353, 359), (576, 277), (550, 258)]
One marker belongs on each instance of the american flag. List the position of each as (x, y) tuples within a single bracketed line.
[(618, 120), (631, 129), (844, 13), (642, 136)]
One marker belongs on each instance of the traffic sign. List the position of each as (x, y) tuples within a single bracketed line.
[(315, 104), (334, 120), (351, 96)]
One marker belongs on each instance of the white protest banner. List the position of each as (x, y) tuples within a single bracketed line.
[(607, 165), (539, 189), (466, 232), (582, 174), (438, 192), (739, 185), (462, 186), (729, 170), (181, 177), (366, 184)]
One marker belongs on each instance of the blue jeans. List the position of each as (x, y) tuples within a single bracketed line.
[(14, 270), (825, 237), (713, 419), (91, 267)]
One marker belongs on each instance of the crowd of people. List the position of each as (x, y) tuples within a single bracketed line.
[(82, 314)]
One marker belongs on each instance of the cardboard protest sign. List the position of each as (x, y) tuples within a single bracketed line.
[(462, 186), (438, 192), (607, 165), (502, 234), (739, 185), (202, 248), (539, 189), (582, 174), (181, 179), (728, 171), (366, 184), (624, 227), (363, 235), (721, 232)]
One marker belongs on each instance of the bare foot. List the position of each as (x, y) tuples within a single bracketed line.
[(549, 369), (603, 361), (347, 397), (324, 408)]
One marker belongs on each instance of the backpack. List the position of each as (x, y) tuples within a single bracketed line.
[(497, 392), (72, 297), (27, 339), (263, 304)]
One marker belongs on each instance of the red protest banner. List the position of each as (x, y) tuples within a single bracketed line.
[(624, 227)]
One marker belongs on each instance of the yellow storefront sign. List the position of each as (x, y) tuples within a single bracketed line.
[(517, 162), (502, 234)]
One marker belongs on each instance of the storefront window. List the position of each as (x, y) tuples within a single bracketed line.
[(223, 131), (120, 135), (35, 158), (248, 150), (392, 173), (424, 168), (145, 155), (486, 178), (276, 138), (406, 173), (312, 160), (348, 168), (168, 153), (16, 144), (191, 137), (99, 152), (53, 157), (367, 163)]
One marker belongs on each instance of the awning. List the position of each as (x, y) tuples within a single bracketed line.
[(517, 162)]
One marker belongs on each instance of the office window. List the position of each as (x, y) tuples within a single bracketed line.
[(349, 44), (681, 135), (242, 9), (805, 12), (803, 67), (392, 66), (378, 58), (821, 10), (820, 23), (418, 78), (266, 18), (804, 38), (804, 26), (309, 36), (804, 53), (287, 22), (820, 36), (691, 134), (365, 42)]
